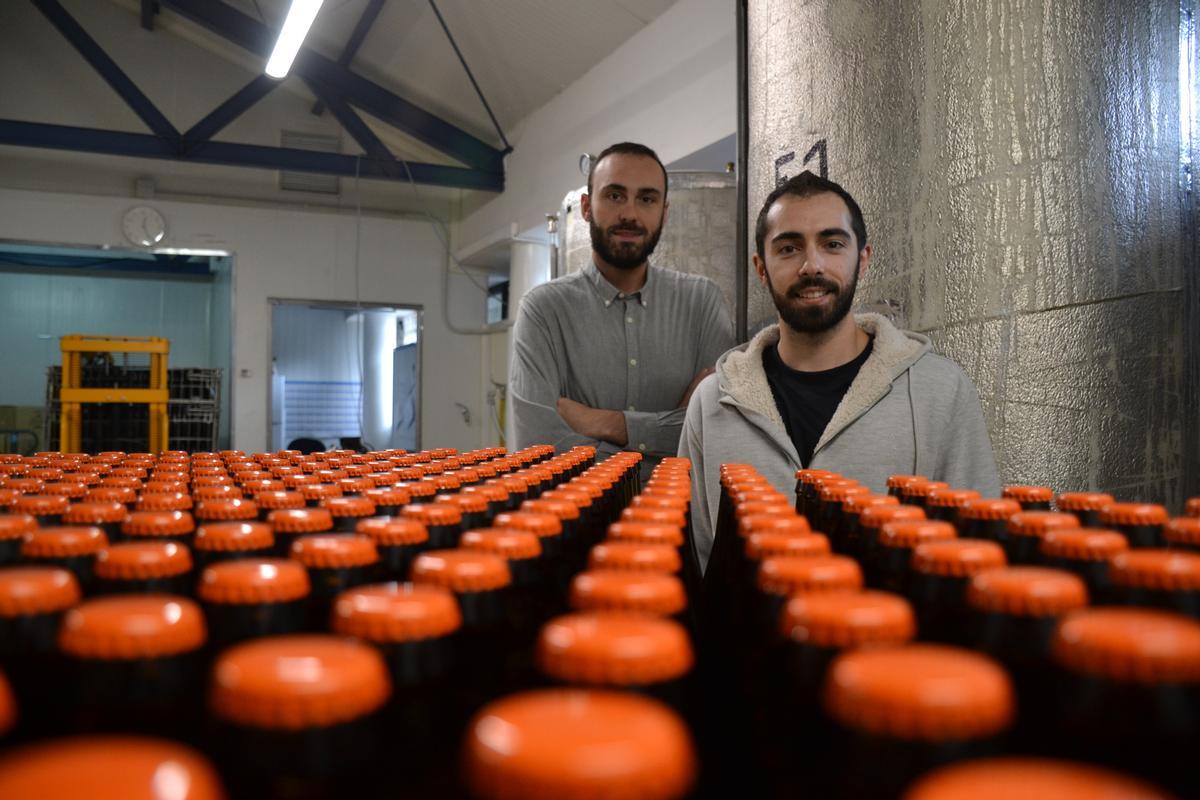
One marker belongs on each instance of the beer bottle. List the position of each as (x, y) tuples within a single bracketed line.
[(224, 541), (1031, 498), (253, 597), (141, 567), (1141, 523), (1084, 505), (1085, 552), (937, 586), (1030, 779)]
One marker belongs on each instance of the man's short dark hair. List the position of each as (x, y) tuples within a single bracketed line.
[(806, 184), (627, 149)]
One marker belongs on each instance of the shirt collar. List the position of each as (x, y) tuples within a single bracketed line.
[(609, 293)]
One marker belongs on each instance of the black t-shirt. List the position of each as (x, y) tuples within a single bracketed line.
[(807, 400)]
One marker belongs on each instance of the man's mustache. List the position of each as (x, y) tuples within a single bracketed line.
[(803, 286), (626, 229)]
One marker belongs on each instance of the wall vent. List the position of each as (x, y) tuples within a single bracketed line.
[(310, 181)]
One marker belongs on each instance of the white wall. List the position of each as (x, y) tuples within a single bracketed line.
[(298, 255), (672, 86)]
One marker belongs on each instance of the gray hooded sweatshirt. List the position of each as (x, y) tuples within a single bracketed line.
[(909, 411)]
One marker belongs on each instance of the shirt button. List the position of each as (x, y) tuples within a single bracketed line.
[(620, 295), (642, 446), (629, 319), (633, 362)]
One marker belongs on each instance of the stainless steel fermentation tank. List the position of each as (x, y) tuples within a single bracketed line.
[(1023, 166)]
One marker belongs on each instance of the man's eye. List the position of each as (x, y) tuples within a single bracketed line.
[(836, 245), (648, 199), (787, 249), (614, 196)]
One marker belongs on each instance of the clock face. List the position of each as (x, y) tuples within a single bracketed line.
[(144, 226)]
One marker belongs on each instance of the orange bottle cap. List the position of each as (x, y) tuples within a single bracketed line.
[(1083, 501), (510, 544), (769, 544), (635, 557), (1030, 779), (170, 501), (467, 503), (542, 525), (319, 491), (876, 516), (1028, 494), (69, 489), (843, 620), (228, 509), (95, 513), (134, 561), (15, 526), (158, 523), (1183, 530), (251, 581), (900, 481), (64, 542), (356, 485), (26, 591), (111, 494), (228, 537), (462, 571), (300, 520), (108, 768), (1134, 514), (622, 590), (431, 514), (490, 492), (349, 506), (644, 533), (295, 481), (1038, 523), (909, 533), (583, 500), (279, 500), (1132, 645), (813, 475), (215, 492), (392, 531), (334, 550), (396, 612), (1082, 544), (957, 558), (755, 508), (571, 743), (662, 516), (1162, 570), (614, 649), (1192, 509), (1027, 592), (839, 492), (921, 488), (785, 575), (41, 505), (919, 692), (298, 682), (655, 499), (989, 508), (950, 498), (791, 523), (129, 627)]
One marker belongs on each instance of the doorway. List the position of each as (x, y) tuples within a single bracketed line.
[(345, 375)]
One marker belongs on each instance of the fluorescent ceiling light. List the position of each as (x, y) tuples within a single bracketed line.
[(299, 19)]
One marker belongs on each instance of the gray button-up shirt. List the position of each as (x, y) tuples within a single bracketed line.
[(579, 337)]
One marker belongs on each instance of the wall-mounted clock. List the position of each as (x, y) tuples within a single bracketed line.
[(144, 226)]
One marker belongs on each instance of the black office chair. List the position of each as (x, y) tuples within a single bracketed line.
[(306, 445)]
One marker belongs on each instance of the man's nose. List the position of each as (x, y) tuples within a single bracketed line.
[(813, 263)]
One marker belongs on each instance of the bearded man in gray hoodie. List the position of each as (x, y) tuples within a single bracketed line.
[(824, 388)]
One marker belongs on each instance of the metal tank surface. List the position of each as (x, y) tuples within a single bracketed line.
[(1023, 169), (700, 234)]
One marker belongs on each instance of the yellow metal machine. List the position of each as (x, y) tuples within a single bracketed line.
[(72, 394)]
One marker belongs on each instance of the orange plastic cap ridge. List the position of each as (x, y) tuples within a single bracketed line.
[(919, 692), (989, 508), (215, 492), (233, 508), (229, 537), (768, 544), (1027, 592), (294, 683), (635, 557), (957, 558), (467, 503), (773, 523), (542, 525), (1129, 645), (614, 649), (320, 491), (1183, 531), (158, 523), (950, 498), (1134, 514), (1082, 544), (1192, 509), (251, 581), (128, 627), (618, 590), (1159, 570), (785, 575), (334, 550), (1028, 494), (392, 531), (578, 743), (41, 505), (839, 493), (876, 516), (844, 620), (1083, 501), (1038, 523), (646, 533), (69, 489), (15, 526), (170, 501), (110, 494), (921, 488), (26, 591), (755, 508), (108, 768), (139, 561), (390, 496), (63, 542), (300, 520), (908, 533), (431, 514), (389, 613), (662, 516), (812, 475), (1030, 779), (462, 571), (510, 544), (278, 500), (349, 506)]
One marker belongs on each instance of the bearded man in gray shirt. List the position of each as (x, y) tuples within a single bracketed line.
[(609, 356)]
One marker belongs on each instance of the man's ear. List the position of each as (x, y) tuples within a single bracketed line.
[(585, 207), (864, 260), (760, 267)]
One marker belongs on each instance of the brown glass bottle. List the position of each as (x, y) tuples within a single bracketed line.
[(253, 597), (1085, 552), (1153, 578), (1031, 498), (889, 569), (937, 587), (1084, 505), (223, 541), (335, 562), (71, 547), (1141, 523), (145, 567)]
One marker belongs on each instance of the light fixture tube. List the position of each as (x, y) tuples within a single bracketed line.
[(299, 19)]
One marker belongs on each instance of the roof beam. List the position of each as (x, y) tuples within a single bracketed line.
[(370, 97), (228, 111), (357, 37), (107, 69), (141, 145), (354, 125)]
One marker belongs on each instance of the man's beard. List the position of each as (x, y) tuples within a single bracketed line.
[(817, 318), (623, 255)]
